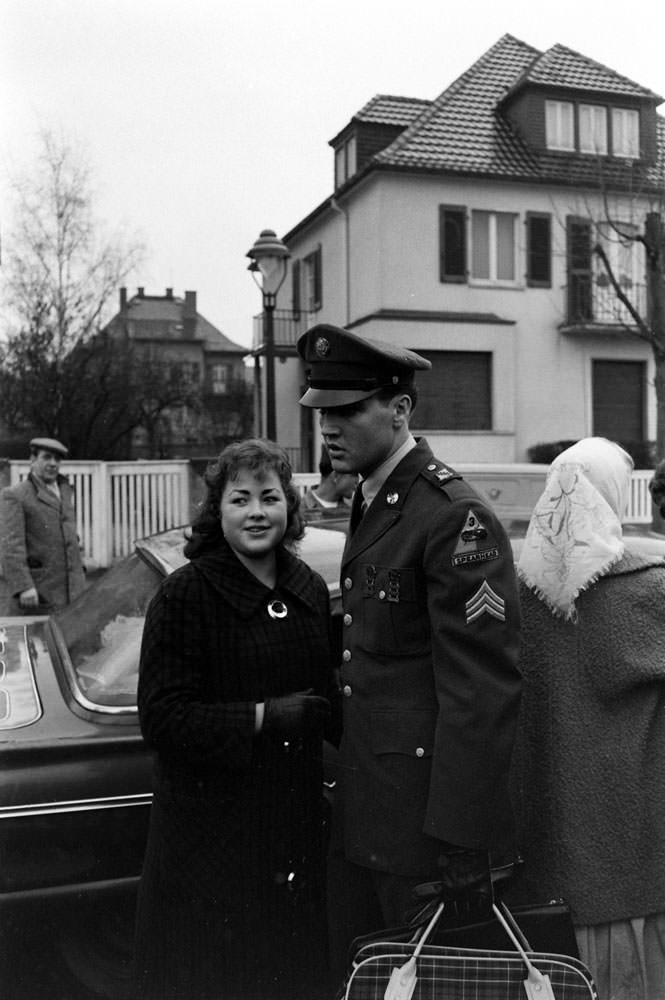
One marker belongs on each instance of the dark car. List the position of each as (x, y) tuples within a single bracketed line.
[(76, 777)]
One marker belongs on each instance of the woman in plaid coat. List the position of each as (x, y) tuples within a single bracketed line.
[(235, 689)]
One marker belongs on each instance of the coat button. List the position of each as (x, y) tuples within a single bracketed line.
[(348, 618), (420, 752), (348, 583), (347, 691), (382, 595), (346, 655)]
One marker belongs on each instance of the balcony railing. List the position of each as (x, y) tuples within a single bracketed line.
[(287, 327), (592, 300)]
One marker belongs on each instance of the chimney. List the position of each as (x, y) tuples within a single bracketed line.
[(189, 316), (169, 294), (123, 300), (140, 291)]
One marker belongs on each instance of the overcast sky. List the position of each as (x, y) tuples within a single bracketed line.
[(206, 121)]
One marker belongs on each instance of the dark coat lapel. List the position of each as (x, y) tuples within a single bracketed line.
[(242, 591)]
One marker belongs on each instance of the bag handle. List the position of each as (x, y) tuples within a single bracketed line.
[(537, 985)]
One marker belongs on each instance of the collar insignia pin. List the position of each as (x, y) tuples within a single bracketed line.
[(392, 498)]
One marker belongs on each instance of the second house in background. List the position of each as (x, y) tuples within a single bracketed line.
[(169, 334), (464, 228)]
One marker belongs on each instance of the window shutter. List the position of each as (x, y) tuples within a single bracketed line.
[(452, 243), (580, 299), (295, 288), (457, 393), (619, 399), (318, 279), (539, 250)]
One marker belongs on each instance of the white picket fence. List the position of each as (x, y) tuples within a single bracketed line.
[(527, 482), (118, 502)]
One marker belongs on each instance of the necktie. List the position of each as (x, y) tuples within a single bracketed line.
[(358, 507)]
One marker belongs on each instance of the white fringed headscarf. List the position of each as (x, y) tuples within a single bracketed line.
[(574, 535)]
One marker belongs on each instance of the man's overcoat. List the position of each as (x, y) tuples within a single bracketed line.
[(39, 546), (429, 675)]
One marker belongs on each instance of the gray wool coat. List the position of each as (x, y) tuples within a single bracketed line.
[(39, 546), (589, 766)]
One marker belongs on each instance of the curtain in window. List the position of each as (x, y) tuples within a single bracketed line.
[(559, 125), (625, 132), (593, 128)]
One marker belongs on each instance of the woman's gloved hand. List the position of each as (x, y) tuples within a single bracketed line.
[(295, 714)]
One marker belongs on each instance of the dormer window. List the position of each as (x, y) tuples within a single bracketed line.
[(345, 161), (592, 128), (560, 125)]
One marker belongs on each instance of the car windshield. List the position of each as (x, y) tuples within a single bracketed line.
[(99, 635), (101, 631)]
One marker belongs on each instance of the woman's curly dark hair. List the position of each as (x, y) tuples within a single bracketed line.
[(657, 486), (260, 457)]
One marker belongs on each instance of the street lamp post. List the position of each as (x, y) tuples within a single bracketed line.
[(268, 258)]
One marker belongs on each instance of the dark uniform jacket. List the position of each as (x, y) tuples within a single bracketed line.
[(429, 672), (39, 546)]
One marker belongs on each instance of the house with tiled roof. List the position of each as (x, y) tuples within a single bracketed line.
[(464, 227), (168, 330)]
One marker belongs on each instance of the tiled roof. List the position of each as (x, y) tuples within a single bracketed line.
[(463, 132), (563, 67), (162, 318), (387, 110)]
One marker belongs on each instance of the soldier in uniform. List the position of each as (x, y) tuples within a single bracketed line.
[(430, 648)]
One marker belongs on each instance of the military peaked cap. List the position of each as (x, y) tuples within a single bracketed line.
[(344, 368), (50, 444)]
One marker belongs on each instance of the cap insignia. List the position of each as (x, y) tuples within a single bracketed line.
[(322, 347)]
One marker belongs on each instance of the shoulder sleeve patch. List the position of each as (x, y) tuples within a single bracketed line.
[(438, 473), (475, 543)]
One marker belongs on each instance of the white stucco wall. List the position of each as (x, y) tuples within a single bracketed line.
[(380, 250)]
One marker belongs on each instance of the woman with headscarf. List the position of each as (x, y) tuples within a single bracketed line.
[(589, 767)]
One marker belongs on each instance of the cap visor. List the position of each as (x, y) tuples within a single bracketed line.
[(327, 398)]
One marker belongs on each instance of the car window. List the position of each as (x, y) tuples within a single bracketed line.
[(101, 634), (19, 701)]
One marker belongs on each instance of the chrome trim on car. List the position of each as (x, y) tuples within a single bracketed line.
[(75, 805)]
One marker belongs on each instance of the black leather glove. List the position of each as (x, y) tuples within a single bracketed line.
[(464, 872), (295, 714), (466, 885)]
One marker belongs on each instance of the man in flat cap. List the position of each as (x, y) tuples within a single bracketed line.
[(39, 546), (430, 647)]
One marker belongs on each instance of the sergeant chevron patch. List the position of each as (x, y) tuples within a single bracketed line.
[(485, 601)]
